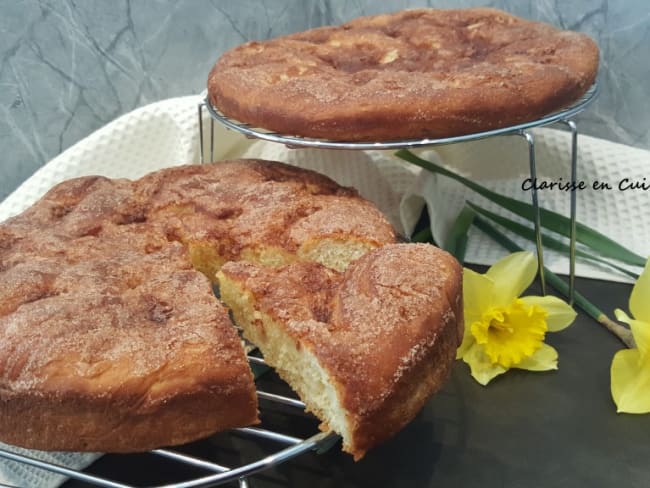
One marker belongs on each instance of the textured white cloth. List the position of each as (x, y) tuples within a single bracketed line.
[(166, 134)]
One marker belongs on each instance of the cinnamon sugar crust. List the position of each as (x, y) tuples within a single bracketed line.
[(412, 74), (384, 333), (111, 338)]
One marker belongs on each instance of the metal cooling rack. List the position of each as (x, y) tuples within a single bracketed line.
[(288, 447), (564, 116)]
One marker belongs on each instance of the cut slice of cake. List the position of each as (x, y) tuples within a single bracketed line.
[(365, 348)]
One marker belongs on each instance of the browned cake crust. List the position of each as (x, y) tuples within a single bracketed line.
[(407, 75), (385, 332), (110, 339)]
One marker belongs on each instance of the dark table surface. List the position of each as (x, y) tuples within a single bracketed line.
[(551, 429)]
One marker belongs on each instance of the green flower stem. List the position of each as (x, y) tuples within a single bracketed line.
[(423, 235), (548, 241), (456, 243), (623, 334)]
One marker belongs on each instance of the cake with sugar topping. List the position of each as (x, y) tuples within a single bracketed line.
[(422, 73), (364, 348), (112, 340)]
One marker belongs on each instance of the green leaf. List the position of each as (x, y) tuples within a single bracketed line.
[(456, 243), (551, 220), (423, 235), (548, 241)]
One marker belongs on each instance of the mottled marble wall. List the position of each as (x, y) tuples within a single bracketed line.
[(67, 68)]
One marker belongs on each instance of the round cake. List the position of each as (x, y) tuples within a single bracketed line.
[(414, 74), (111, 338)]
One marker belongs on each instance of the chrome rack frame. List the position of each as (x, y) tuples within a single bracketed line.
[(564, 117)]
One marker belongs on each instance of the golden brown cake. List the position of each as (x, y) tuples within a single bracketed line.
[(364, 349), (110, 336), (112, 348), (411, 74)]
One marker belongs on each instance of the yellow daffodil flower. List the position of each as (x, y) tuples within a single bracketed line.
[(503, 331), (631, 367)]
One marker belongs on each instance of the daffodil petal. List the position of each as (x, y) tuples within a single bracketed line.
[(640, 331), (544, 359), (512, 275), (468, 341), (477, 295), (480, 365), (640, 296), (560, 314), (630, 382)]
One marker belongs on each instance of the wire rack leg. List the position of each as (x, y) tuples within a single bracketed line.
[(201, 132), (211, 139), (201, 136), (530, 140), (573, 231)]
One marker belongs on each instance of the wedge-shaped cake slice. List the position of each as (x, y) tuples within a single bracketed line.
[(364, 349)]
